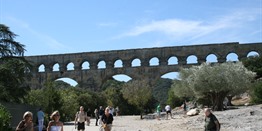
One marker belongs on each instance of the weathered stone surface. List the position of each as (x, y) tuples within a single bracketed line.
[(93, 77)]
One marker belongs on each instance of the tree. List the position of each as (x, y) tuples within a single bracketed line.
[(137, 93), (254, 63), (160, 90), (217, 81), (14, 69)]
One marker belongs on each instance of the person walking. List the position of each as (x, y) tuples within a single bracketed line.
[(107, 120), (27, 123), (40, 117), (158, 110), (55, 124), (80, 118), (96, 116), (211, 122), (168, 111)]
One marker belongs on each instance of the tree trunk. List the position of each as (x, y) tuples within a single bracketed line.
[(217, 100), (141, 115)]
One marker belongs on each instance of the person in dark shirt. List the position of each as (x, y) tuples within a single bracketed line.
[(211, 122), (107, 120)]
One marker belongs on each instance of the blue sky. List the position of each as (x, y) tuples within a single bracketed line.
[(59, 26)]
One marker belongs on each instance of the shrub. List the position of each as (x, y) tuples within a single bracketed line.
[(5, 119), (256, 94)]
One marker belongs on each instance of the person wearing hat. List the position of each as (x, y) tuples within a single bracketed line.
[(27, 123)]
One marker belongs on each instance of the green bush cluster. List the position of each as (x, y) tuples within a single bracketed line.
[(256, 94), (5, 119)]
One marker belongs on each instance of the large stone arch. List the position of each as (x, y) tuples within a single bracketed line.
[(94, 77)]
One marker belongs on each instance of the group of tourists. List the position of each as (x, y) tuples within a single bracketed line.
[(27, 123), (104, 119)]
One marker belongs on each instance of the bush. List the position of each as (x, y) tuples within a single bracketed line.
[(5, 119), (256, 94)]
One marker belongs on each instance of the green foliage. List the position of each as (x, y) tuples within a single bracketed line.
[(14, 69), (160, 90), (5, 119), (173, 100), (137, 93), (217, 81), (256, 93), (254, 63)]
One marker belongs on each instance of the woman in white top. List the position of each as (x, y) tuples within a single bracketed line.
[(55, 124)]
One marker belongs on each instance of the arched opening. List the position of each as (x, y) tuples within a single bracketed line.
[(85, 65), (101, 65), (192, 59), (154, 61), (56, 67), (171, 75), (118, 64), (232, 57), (122, 77), (70, 66), (136, 62), (211, 58), (173, 60), (41, 68), (67, 82), (252, 54)]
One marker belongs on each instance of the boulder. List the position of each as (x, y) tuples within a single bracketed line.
[(193, 112)]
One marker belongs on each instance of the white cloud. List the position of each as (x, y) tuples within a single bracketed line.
[(188, 30)]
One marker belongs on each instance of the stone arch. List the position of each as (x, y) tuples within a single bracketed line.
[(171, 75), (118, 63), (252, 53), (56, 67), (67, 80), (232, 57), (154, 61), (191, 59), (41, 68), (172, 60), (122, 77), (85, 65), (211, 58), (136, 62), (70, 66), (101, 64)]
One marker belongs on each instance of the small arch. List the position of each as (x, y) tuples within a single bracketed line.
[(41, 68), (192, 59), (171, 75), (136, 62), (252, 54), (101, 65), (70, 66), (211, 58), (173, 60), (154, 61), (232, 57), (118, 64), (56, 67), (85, 65), (122, 77)]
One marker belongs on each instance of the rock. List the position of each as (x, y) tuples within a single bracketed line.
[(193, 112)]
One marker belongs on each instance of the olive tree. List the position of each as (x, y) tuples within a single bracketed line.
[(137, 93), (217, 81)]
